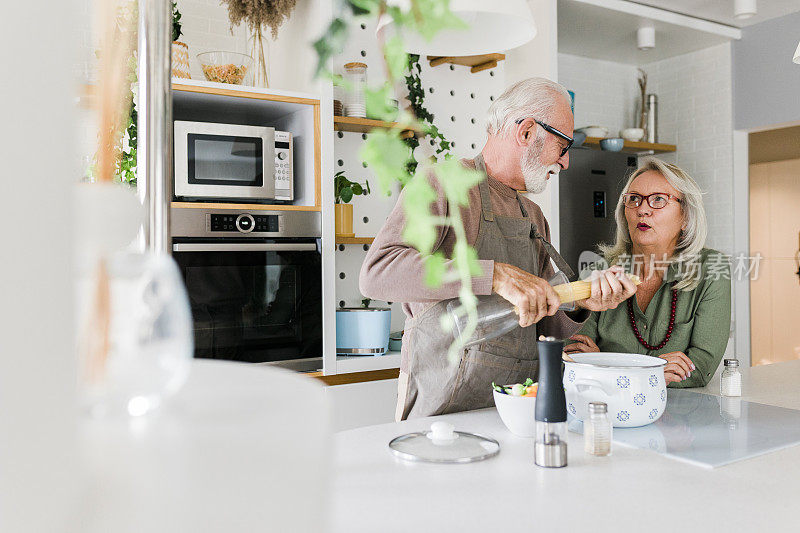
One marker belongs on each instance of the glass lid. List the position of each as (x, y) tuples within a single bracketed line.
[(444, 445)]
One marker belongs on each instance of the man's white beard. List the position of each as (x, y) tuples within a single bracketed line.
[(534, 173)]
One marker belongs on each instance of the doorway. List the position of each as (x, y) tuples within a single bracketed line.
[(774, 192)]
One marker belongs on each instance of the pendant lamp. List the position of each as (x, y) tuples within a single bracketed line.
[(494, 26)]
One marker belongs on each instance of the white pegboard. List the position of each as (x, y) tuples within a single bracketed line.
[(457, 98)]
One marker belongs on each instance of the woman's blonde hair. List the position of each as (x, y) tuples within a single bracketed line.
[(692, 238)]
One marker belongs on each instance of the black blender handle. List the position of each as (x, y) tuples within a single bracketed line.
[(551, 402)]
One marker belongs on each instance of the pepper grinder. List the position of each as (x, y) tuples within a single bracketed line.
[(550, 447)]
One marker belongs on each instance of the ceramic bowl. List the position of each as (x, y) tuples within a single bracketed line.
[(632, 386), (632, 134), (613, 144), (517, 413), (396, 341), (577, 139), (594, 131)]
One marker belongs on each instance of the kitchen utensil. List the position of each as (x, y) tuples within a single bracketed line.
[(578, 139), (632, 134), (496, 315), (517, 413), (614, 144), (362, 331), (443, 445), (632, 386), (225, 67), (550, 446), (652, 118), (594, 131)]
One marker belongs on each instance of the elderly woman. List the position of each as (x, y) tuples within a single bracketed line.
[(681, 311)]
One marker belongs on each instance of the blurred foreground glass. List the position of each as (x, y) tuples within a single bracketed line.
[(496, 315), (137, 312)]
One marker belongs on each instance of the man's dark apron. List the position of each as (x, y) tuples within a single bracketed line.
[(429, 384)]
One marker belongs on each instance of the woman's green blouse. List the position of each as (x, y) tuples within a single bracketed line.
[(702, 320)]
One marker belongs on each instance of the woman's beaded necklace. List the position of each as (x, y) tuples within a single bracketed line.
[(669, 329)]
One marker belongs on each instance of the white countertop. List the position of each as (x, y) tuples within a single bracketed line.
[(632, 489)]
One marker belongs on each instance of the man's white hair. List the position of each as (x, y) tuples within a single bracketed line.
[(534, 97)]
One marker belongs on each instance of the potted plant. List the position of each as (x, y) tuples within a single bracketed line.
[(180, 51), (344, 190)]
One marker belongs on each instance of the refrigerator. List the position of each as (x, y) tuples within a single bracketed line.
[(588, 194)]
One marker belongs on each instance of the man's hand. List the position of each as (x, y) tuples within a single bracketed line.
[(582, 344), (609, 288), (678, 367), (533, 297)]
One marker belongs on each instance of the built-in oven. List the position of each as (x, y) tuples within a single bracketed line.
[(232, 162), (254, 281)]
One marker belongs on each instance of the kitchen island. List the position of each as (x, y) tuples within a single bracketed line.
[(632, 490)]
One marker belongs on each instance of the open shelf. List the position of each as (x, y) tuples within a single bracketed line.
[(365, 125), (478, 63), (298, 113), (631, 147), (354, 240), (362, 363), (243, 207)]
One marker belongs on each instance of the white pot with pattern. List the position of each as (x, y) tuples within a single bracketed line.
[(632, 386)]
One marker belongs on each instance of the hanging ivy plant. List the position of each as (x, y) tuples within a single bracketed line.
[(416, 97), (389, 157)]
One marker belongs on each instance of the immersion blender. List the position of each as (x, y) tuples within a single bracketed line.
[(550, 447)]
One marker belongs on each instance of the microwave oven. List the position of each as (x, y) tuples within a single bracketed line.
[(232, 162)]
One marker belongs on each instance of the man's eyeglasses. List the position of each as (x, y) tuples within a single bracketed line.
[(550, 129), (657, 200)]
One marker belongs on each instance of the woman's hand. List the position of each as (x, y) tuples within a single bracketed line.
[(678, 368), (609, 288), (583, 344)]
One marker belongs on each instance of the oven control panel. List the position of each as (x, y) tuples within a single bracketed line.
[(245, 223)]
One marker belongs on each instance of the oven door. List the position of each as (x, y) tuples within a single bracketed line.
[(224, 161), (254, 302)]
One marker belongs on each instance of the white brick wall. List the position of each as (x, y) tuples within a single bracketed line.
[(606, 93), (695, 112)]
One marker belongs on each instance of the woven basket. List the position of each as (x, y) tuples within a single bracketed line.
[(180, 60)]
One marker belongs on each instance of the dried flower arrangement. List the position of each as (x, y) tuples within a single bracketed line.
[(260, 13)]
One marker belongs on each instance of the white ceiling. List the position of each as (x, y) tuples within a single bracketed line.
[(589, 28), (600, 33), (722, 10)]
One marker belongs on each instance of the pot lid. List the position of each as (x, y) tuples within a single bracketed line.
[(354, 309), (615, 360), (444, 445)]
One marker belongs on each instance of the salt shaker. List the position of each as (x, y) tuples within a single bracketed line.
[(730, 382), (597, 430)]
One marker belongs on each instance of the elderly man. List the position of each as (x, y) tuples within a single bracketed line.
[(529, 134)]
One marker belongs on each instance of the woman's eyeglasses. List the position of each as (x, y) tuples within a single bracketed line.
[(657, 200), (550, 129)]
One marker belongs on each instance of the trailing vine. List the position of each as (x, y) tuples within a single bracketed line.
[(416, 97), (388, 156)]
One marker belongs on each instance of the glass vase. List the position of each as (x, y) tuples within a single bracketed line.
[(259, 76)]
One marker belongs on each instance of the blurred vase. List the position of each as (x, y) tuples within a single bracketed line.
[(137, 342)]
